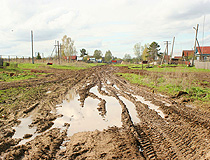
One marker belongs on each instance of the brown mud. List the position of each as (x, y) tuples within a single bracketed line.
[(126, 121)]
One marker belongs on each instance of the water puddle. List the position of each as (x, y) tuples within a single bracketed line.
[(132, 110), (151, 106), (23, 128), (48, 92), (87, 118)]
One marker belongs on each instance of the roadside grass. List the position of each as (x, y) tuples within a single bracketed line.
[(171, 86), (22, 71), (76, 66), (12, 98), (18, 72), (164, 68)]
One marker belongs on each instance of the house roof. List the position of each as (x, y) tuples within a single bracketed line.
[(204, 50), (73, 57), (178, 57), (187, 53), (166, 56)]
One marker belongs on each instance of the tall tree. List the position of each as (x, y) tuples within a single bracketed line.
[(137, 50), (68, 48), (153, 50), (97, 54), (127, 57), (83, 52), (145, 51), (108, 56)]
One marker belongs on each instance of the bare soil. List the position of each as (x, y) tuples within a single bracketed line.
[(183, 133)]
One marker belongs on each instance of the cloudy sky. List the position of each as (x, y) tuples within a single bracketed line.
[(115, 25)]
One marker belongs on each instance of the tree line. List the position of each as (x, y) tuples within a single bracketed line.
[(148, 52)]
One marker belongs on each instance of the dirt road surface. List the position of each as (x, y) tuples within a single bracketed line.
[(95, 114)]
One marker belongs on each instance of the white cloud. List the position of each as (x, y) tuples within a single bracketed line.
[(114, 25)]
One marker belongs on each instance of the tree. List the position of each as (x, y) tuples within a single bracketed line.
[(83, 52), (97, 54), (153, 50), (137, 48), (108, 56), (68, 48), (145, 52), (38, 56), (127, 57)]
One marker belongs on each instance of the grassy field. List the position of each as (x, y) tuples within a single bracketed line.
[(164, 68), (22, 71), (158, 80)]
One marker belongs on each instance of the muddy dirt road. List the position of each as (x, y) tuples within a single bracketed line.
[(94, 114)]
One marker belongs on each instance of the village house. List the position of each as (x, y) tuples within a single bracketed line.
[(187, 54), (203, 53)]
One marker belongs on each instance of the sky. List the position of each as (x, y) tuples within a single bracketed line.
[(115, 25)]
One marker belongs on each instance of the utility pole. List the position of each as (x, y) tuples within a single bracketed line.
[(167, 43), (172, 49), (58, 52), (32, 47), (196, 34)]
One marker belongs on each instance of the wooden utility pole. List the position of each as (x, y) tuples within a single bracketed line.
[(167, 43), (32, 47), (172, 49), (196, 34), (58, 52)]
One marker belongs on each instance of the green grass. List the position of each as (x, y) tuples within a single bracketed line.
[(12, 98), (14, 73), (176, 69), (31, 66), (76, 66), (164, 68), (171, 86), (70, 67)]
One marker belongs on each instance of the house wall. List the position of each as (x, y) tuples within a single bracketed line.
[(202, 65)]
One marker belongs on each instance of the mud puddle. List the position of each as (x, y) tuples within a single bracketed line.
[(23, 129), (87, 118), (151, 106), (132, 110)]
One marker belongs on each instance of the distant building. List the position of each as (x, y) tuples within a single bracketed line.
[(203, 53), (79, 58), (187, 54), (176, 60)]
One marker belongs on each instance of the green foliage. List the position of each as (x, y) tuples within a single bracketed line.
[(97, 54), (68, 48), (145, 52), (153, 50), (38, 56), (83, 52), (127, 57), (108, 56), (137, 48)]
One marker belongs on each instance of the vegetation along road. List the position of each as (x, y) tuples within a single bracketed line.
[(104, 112)]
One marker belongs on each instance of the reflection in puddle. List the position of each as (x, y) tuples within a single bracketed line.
[(132, 110), (151, 106), (23, 128), (87, 118)]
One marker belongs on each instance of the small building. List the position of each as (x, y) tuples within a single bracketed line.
[(79, 58), (203, 53), (176, 60), (187, 54)]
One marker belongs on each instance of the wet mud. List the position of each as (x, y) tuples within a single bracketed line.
[(95, 114)]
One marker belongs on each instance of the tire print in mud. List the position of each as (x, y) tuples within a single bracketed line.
[(179, 132)]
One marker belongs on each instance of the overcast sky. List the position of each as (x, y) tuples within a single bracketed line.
[(115, 25)]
